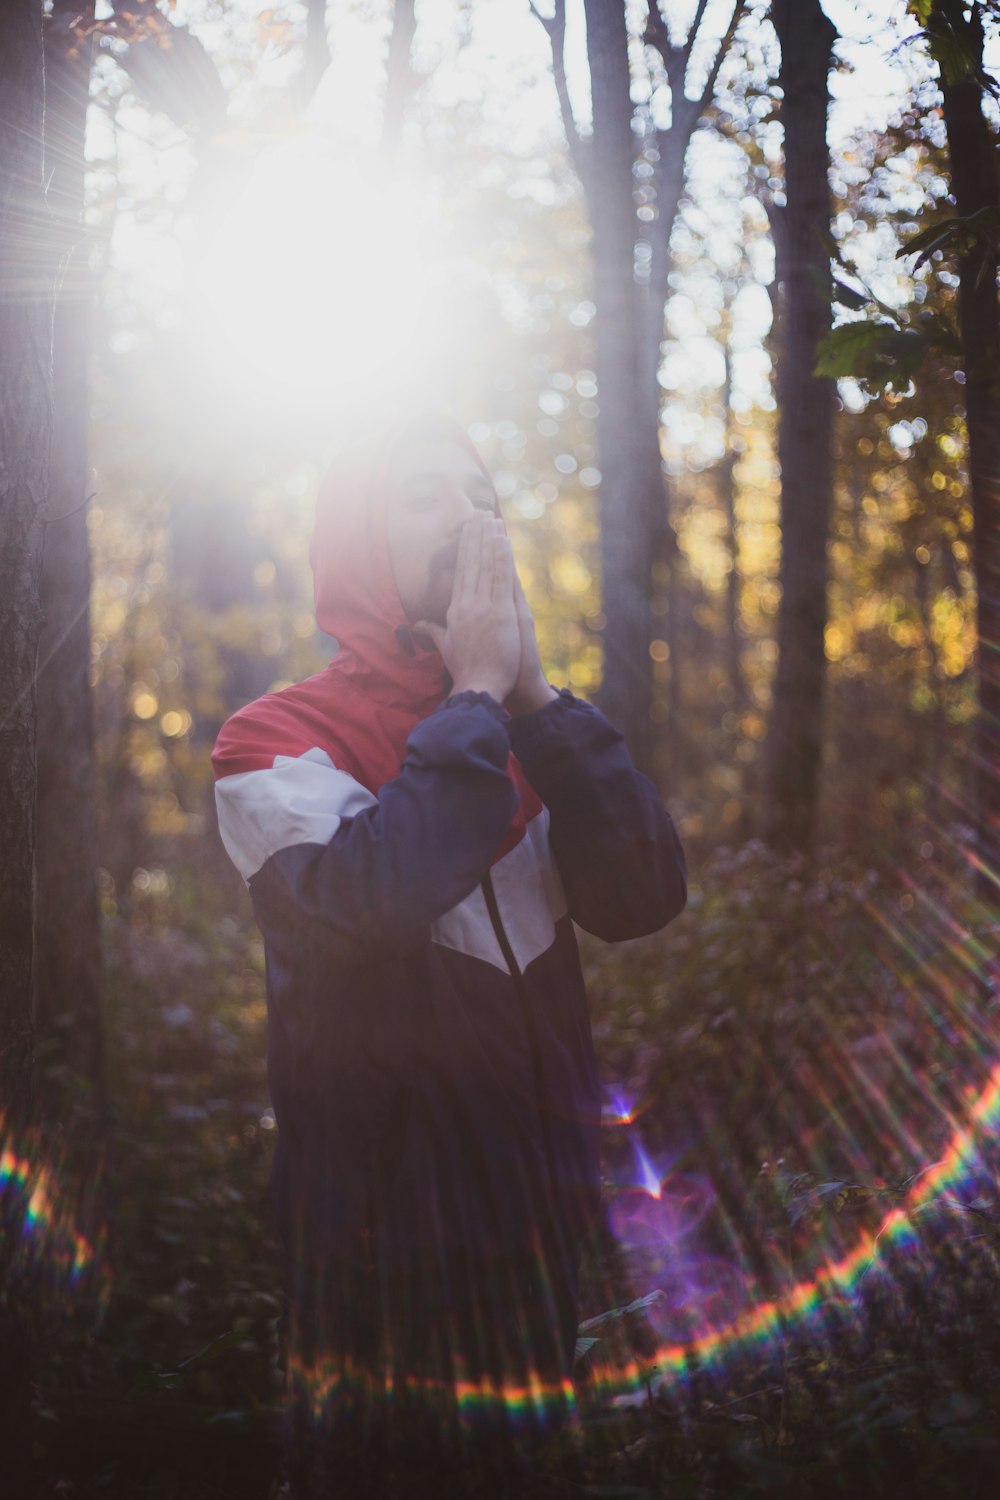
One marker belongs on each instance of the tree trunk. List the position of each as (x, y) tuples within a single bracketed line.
[(639, 553), (665, 585), (739, 699), (974, 185), (25, 430), (67, 978), (399, 76), (622, 439), (315, 53), (805, 406)]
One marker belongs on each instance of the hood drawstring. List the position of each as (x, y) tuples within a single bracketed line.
[(405, 640)]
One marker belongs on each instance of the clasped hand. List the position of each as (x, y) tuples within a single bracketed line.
[(488, 642)]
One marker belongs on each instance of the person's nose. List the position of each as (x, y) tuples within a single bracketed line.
[(462, 509)]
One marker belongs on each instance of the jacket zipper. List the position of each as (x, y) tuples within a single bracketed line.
[(529, 1020)]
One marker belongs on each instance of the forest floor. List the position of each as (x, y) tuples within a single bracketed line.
[(803, 1189)]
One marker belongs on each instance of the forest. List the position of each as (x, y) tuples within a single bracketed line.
[(712, 287)]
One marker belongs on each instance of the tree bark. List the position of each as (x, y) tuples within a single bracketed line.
[(626, 687), (25, 430), (805, 406), (67, 978), (975, 186)]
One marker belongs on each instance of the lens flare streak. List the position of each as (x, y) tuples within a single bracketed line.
[(839, 1278), (30, 1191)]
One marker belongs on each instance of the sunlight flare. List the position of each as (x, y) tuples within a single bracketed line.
[(317, 278)]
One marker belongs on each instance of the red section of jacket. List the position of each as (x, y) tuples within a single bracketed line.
[(361, 708)]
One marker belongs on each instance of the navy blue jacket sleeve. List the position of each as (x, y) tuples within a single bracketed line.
[(394, 868), (621, 861)]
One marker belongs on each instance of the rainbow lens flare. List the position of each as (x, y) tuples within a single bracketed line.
[(34, 1196), (698, 1289)]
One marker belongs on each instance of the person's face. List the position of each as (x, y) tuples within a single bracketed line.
[(434, 486)]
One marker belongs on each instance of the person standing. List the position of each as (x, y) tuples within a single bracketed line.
[(420, 825)]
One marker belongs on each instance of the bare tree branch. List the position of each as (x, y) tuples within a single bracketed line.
[(695, 27), (668, 178), (739, 10), (676, 58), (555, 26), (675, 55), (685, 112), (657, 33)]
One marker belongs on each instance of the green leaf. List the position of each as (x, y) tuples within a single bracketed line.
[(881, 354), (150, 1381), (953, 58), (842, 350)]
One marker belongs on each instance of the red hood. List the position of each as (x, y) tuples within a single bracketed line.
[(356, 597), (361, 708)]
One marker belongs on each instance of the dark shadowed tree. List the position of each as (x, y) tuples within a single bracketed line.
[(67, 955), (956, 35), (627, 501), (631, 260), (794, 745), (25, 432)]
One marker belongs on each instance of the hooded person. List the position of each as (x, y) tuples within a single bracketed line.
[(416, 860)]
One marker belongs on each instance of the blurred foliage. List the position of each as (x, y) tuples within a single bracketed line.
[(807, 1046)]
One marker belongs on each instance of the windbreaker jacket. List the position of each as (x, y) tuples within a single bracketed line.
[(416, 862)]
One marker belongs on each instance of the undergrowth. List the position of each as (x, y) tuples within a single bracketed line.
[(788, 1061)]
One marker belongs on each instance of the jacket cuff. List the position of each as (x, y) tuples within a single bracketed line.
[(470, 699), (544, 728)]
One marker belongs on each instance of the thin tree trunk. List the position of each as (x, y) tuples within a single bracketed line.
[(805, 406), (740, 697), (931, 740), (315, 54), (67, 979), (664, 577), (626, 687), (667, 154), (975, 186), (638, 538), (25, 431), (400, 80)]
